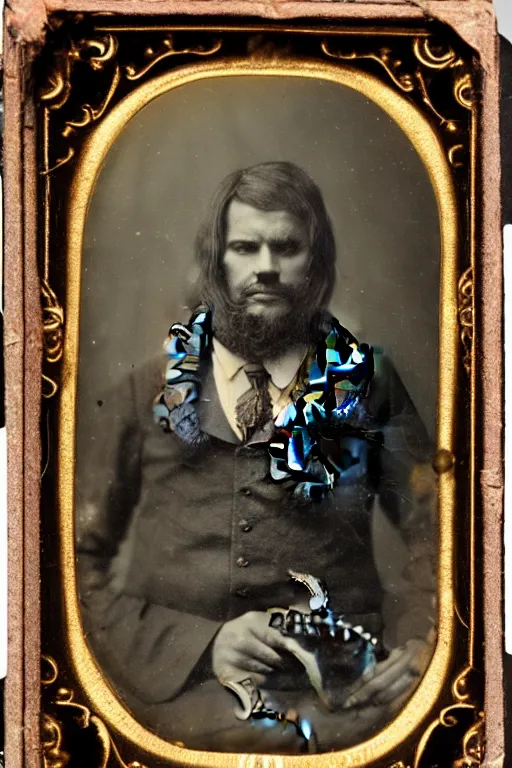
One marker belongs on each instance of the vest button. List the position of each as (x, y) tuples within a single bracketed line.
[(245, 526), (242, 592), (242, 562), (246, 491)]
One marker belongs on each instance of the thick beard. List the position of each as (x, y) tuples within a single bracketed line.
[(256, 338)]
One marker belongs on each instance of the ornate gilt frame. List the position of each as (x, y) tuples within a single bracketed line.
[(427, 79)]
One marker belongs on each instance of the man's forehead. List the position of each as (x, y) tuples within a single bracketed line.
[(244, 219)]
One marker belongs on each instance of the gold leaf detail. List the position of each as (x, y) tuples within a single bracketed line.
[(53, 334), (58, 88), (453, 152), (473, 744), (463, 91), (465, 292), (447, 719), (106, 48), (425, 60), (53, 324), (434, 60), (460, 686), (52, 669), (166, 49), (91, 114), (52, 730), (63, 160), (51, 742), (450, 125), (384, 57), (96, 52)]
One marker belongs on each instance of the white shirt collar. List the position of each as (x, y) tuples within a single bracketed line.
[(282, 370)]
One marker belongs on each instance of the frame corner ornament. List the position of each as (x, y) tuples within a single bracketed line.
[(52, 729), (414, 71), (465, 719)]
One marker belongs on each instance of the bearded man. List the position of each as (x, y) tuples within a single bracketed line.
[(227, 574)]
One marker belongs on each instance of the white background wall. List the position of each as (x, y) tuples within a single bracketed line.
[(504, 13)]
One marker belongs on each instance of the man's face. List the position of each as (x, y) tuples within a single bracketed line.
[(266, 258)]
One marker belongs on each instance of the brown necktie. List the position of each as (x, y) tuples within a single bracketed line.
[(254, 407)]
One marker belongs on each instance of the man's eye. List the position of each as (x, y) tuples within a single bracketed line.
[(289, 248), (245, 248)]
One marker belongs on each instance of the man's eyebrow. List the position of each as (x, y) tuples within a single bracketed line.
[(272, 241), (244, 239), (286, 240)]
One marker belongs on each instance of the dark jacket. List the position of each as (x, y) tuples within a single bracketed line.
[(178, 540)]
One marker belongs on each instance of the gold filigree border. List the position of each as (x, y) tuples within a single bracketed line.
[(426, 59), (465, 288), (99, 50), (54, 755), (428, 145)]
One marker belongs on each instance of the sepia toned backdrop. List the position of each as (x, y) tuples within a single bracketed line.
[(155, 186), (162, 171)]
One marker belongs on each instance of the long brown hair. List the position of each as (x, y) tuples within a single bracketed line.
[(274, 186)]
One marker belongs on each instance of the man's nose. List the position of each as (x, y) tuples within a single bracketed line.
[(267, 278), (268, 263)]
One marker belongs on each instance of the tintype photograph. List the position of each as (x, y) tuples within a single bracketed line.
[(256, 513)]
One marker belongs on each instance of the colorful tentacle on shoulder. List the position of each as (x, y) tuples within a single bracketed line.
[(338, 379), (335, 383), (185, 347)]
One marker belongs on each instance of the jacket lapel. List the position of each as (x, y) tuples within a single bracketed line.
[(211, 415)]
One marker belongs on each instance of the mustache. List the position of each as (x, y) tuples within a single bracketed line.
[(274, 289)]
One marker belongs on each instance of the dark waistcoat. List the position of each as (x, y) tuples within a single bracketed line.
[(181, 540)]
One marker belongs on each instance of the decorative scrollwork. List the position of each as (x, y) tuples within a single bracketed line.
[(99, 53), (53, 323), (53, 733), (466, 319), (435, 59), (53, 333), (463, 91), (473, 743), (384, 57), (165, 49), (449, 125), (58, 88), (455, 715), (89, 113), (461, 688), (452, 155), (51, 742), (51, 729), (425, 61), (96, 53)]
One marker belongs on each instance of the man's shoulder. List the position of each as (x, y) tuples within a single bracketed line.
[(387, 393)]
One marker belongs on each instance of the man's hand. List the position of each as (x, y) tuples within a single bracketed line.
[(247, 646), (392, 678)]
